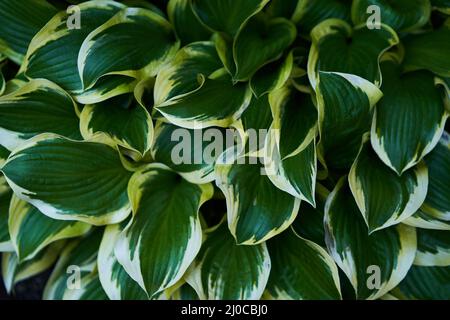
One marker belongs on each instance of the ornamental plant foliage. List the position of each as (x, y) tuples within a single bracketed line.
[(129, 165)]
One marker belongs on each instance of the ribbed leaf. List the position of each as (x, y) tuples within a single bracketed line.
[(345, 104), (226, 271), (256, 209), (146, 42), (301, 270), (385, 255), (260, 41), (354, 51), (20, 22), (383, 197), (163, 204), (70, 180), (433, 248), (403, 15), (37, 107), (410, 118), (31, 231), (226, 15)]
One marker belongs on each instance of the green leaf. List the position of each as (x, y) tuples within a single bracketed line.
[(354, 51), (301, 270), (309, 13), (121, 120), (441, 5), (78, 255), (226, 15), (90, 289), (281, 8), (136, 56), (437, 202), (53, 52), (256, 209), (403, 15), (259, 42), (345, 103), (272, 76), (117, 284), (37, 107), (429, 51), (187, 27), (425, 283), (70, 180), (21, 20), (383, 197), (31, 231), (290, 144), (5, 240), (163, 204), (433, 248), (226, 271), (424, 220), (374, 263), (411, 104)]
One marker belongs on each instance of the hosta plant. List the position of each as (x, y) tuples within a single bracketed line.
[(226, 149)]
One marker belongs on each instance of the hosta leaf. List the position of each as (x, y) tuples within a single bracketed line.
[(354, 51), (374, 263), (117, 284), (429, 51), (37, 107), (31, 231), (70, 180), (441, 5), (260, 41), (425, 283), (226, 271), (53, 52), (383, 197), (272, 76), (163, 204), (410, 118), (301, 270), (79, 255), (136, 55), (217, 102), (20, 22), (437, 202), (226, 15), (345, 104), (291, 143), (14, 272), (224, 47), (403, 15), (191, 153), (2, 83), (90, 289), (5, 241), (256, 209), (309, 13), (187, 27), (121, 120), (433, 248), (181, 75), (424, 220), (281, 8), (185, 292)]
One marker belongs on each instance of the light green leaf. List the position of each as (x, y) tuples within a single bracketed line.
[(70, 180), (136, 56), (403, 15), (90, 289), (301, 270), (411, 104), (163, 204), (355, 51), (424, 220), (383, 197), (31, 231), (226, 15), (259, 42), (20, 22), (117, 284), (37, 107), (5, 240), (374, 263), (345, 103), (226, 271), (433, 248), (256, 209)]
